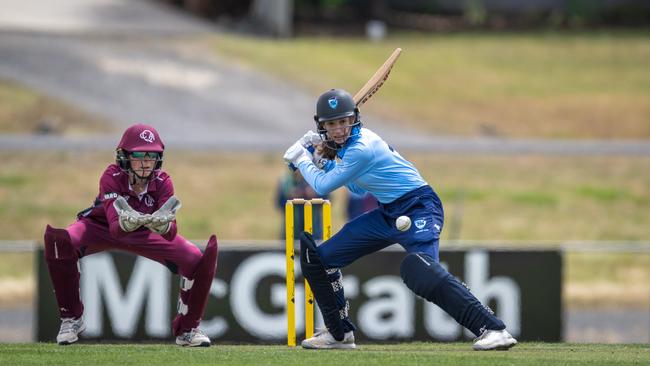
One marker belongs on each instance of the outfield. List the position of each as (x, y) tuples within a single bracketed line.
[(438, 354), (529, 198), (525, 84)]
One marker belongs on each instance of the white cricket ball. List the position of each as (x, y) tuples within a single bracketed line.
[(403, 223)]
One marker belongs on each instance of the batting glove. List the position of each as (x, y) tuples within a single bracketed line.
[(311, 138), (296, 154)]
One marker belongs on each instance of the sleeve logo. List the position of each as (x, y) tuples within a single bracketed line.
[(109, 196)]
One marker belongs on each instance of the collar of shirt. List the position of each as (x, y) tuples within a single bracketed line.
[(351, 140), (139, 195), (151, 186)]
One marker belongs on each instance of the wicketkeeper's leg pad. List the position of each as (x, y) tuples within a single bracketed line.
[(58, 244), (316, 275), (62, 263), (431, 281), (194, 292)]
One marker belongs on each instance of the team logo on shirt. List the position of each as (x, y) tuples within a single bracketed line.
[(148, 201), (420, 224), (148, 136), (333, 102)]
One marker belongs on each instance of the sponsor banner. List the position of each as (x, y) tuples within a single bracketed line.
[(133, 298)]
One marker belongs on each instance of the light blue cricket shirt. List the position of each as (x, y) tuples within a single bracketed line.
[(368, 164)]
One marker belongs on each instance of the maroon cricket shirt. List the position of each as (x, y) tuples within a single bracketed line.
[(115, 182)]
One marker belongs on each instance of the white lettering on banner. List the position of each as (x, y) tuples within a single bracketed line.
[(279, 300), (384, 316), (388, 312), (503, 290), (244, 304), (439, 324), (243, 301), (217, 326), (100, 283)]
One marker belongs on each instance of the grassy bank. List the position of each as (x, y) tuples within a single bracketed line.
[(485, 198), (26, 111), (556, 85)]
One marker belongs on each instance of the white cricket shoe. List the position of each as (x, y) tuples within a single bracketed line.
[(324, 340), (70, 330), (194, 338), (494, 340)]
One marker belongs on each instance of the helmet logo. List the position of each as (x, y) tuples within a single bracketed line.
[(147, 136), (333, 102)]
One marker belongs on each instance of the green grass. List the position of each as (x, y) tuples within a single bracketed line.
[(600, 193), (440, 354), (16, 264), (23, 110), (593, 279), (543, 84)]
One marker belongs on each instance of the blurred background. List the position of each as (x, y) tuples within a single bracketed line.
[(530, 118)]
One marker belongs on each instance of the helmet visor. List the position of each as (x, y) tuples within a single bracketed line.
[(151, 155)]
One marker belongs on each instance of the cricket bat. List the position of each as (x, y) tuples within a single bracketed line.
[(377, 80)]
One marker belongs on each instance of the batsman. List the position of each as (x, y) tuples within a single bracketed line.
[(135, 211), (343, 153)]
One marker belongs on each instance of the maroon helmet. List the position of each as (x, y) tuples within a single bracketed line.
[(139, 138)]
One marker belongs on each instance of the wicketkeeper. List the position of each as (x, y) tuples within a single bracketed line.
[(135, 211), (410, 213)]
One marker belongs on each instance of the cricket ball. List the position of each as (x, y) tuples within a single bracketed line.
[(403, 223)]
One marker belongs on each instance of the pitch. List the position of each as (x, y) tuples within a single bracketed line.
[(439, 354)]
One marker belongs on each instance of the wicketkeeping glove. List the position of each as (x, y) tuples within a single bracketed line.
[(129, 219), (162, 218)]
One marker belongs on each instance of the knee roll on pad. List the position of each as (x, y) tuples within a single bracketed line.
[(309, 260), (308, 251), (422, 274), (58, 244)]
